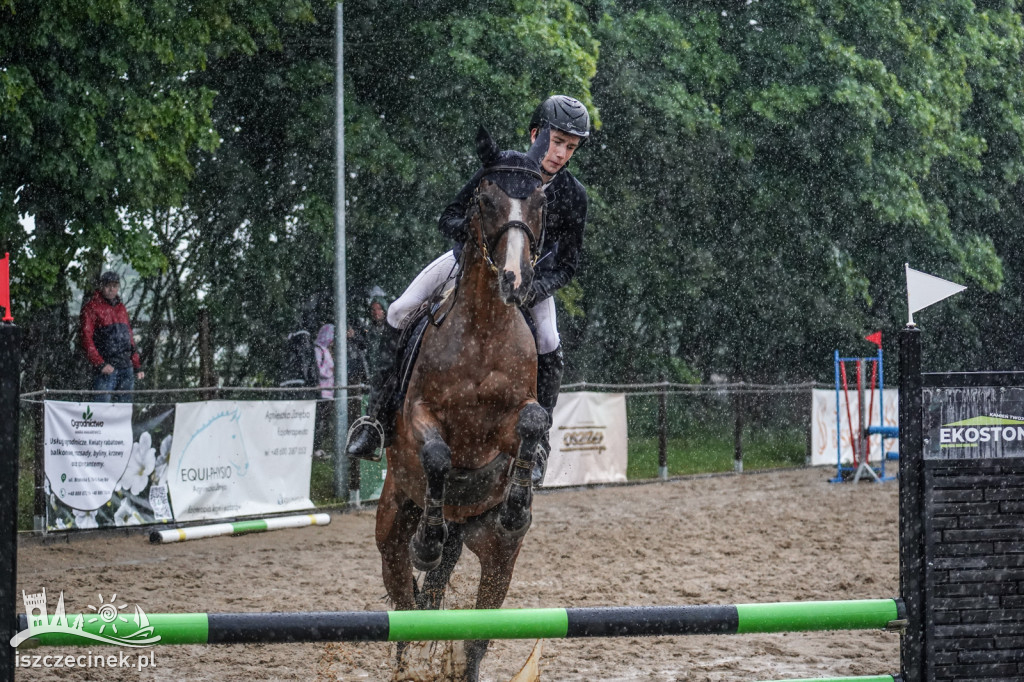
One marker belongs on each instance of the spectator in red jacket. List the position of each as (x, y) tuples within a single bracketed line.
[(108, 342)]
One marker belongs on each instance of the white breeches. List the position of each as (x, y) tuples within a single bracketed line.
[(438, 271)]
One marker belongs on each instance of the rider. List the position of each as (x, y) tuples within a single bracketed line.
[(565, 121)]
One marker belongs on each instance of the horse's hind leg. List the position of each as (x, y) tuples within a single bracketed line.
[(428, 542), (415, 660), (396, 523), (497, 552), (531, 426)]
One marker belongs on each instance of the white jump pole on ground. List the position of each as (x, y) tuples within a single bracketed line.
[(238, 527)]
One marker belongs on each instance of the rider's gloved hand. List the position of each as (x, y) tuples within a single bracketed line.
[(539, 290)]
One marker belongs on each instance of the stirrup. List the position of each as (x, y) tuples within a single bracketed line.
[(363, 421)]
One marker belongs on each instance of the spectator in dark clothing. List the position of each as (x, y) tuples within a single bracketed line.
[(108, 341), (299, 367), (373, 333)]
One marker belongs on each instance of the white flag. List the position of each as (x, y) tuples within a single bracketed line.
[(924, 289)]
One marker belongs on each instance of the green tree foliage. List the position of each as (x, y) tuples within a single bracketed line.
[(254, 236), (100, 110), (776, 163), (758, 174)]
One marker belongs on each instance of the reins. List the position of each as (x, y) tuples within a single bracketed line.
[(510, 225), (438, 296)]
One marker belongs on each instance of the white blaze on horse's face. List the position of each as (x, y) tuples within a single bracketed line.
[(509, 230), (514, 248)]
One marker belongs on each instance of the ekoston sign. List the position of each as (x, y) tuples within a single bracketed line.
[(974, 422)]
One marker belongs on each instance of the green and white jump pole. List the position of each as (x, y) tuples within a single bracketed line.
[(552, 623), (869, 678), (239, 527)]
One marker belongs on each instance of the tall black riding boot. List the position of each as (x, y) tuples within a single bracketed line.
[(549, 381), (370, 433)]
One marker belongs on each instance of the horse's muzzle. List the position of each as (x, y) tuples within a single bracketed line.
[(512, 294)]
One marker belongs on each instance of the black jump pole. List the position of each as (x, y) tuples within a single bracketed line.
[(10, 384), (911, 502)]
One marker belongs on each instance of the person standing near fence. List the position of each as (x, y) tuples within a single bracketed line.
[(108, 341), (373, 334)]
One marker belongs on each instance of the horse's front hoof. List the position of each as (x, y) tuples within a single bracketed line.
[(515, 516), (514, 523), (426, 552)]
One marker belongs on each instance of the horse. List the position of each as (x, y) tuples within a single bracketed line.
[(459, 466)]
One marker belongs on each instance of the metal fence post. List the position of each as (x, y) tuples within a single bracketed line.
[(205, 354)]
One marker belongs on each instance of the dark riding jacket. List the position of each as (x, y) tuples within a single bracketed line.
[(565, 218)]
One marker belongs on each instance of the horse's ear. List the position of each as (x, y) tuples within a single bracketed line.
[(539, 148), (486, 148)]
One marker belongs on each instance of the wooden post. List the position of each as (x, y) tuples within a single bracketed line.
[(912, 477), (663, 431), (206, 378), (10, 385), (737, 433)]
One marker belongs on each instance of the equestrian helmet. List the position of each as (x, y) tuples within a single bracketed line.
[(563, 113)]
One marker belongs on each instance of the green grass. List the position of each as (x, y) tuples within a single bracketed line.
[(702, 453), (321, 484), (26, 494), (26, 475)]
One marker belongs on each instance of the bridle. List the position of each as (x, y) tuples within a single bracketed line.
[(481, 243), (534, 242)]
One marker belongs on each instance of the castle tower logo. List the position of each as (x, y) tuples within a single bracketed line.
[(109, 623)]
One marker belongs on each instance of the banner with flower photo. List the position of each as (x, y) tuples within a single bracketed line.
[(105, 464)]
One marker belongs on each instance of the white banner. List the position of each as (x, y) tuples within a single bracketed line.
[(233, 458), (86, 451), (823, 424), (588, 439)]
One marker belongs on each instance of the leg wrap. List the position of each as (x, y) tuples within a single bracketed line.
[(531, 428), (515, 516)]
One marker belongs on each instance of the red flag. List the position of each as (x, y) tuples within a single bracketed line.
[(875, 338), (5, 287)]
